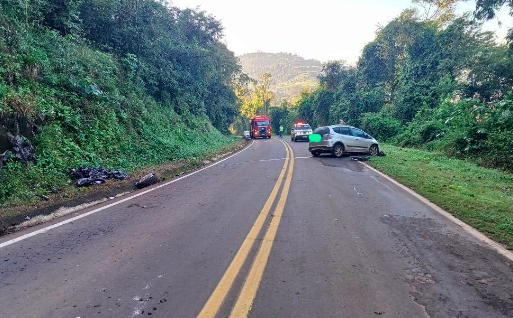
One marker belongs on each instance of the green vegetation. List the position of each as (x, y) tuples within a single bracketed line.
[(428, 80), (479, 196), (104, 82), (290, 73)]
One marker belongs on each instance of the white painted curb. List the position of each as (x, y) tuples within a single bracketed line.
[(467, 228)]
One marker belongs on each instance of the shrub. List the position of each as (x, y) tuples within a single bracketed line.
[(380, 125)]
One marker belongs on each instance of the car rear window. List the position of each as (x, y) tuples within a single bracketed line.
[(303, 127), (322, 131)]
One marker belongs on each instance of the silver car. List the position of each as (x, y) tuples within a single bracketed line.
[(300, 132), (340, 139)]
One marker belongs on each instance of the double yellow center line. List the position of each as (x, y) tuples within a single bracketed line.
[(248, 292)]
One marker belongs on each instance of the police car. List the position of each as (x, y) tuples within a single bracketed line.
[(300, 131)]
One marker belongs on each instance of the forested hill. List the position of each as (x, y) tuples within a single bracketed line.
[(289, 73), (114, 83)]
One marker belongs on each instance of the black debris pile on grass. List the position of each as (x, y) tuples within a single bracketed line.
[(359, 158), (21, 149), (85, 176)]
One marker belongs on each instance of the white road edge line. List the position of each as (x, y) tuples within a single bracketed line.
[(48, 228), (467, 228)]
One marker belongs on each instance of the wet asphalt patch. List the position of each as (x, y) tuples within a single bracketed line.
[(445, 267)]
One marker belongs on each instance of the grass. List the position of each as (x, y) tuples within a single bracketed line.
[(481, 197)]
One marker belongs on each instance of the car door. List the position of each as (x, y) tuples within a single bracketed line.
[(344, 135), (361, 143)]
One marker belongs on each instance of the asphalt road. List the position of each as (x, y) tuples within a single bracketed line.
[(269, 232)]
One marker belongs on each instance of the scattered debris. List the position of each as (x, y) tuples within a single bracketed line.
[(4, 157), (381, 153), (358, 193), (147, 181), (359, 158), (38, 219), (43, 197), (86, 176), (21, 149)]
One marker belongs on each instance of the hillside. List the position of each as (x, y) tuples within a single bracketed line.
[(78, 88), (290, 73)]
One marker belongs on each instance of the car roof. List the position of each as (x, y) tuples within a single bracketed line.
[(333, 126)]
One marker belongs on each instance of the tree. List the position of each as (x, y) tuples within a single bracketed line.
[(331, 74), (257, 98), (63, 15), (247, 98), (263, 93), (485, 10), (438, 12)]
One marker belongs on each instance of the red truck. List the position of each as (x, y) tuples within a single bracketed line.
[(260, 127)]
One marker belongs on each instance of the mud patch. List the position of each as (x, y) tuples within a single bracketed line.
[(344, 163), (450, 275)]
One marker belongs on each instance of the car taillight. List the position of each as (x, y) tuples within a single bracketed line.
[(328, 136)]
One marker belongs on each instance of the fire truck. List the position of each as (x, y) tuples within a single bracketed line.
[(260, 127)]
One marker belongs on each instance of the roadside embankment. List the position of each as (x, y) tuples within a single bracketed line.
[(70, 198), (481, 197)]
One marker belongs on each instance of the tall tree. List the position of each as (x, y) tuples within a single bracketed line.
[(485, 10), (331, 74), (436, 11), (263, 93)]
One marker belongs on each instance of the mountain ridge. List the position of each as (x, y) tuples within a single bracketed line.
[(290, 73)]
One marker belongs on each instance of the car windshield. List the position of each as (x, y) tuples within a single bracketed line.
[(303, 127), (262, 123)]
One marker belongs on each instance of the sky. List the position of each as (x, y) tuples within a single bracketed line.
[(321, 29)]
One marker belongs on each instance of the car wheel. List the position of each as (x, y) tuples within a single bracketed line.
[(316, 153), (338, 151), (374, 150)]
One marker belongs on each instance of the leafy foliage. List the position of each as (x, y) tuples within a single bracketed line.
[(114, 83), (485, 10), (381, 125), (444, 86)]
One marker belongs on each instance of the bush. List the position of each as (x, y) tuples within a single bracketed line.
[(380, 125), (498, 150), (466, 129)]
